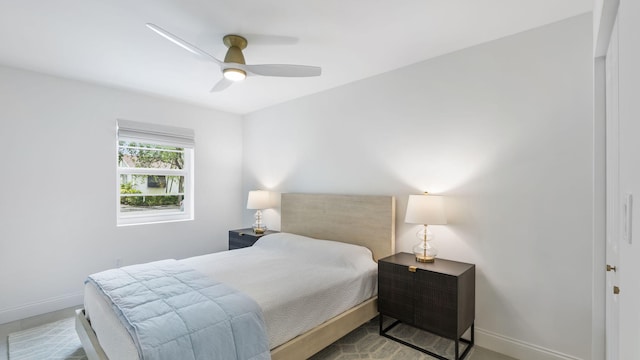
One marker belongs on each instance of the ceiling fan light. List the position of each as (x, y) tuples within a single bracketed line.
[(234, 74)]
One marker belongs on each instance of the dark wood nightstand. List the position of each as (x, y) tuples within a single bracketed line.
[(437, 297), (245, 237)]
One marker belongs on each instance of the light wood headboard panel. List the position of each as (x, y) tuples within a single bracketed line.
[(366, 220)]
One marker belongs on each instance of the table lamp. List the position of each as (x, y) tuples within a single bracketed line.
[(258, 200), (426, 210)]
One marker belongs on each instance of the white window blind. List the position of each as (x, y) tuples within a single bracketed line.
[(158, 134)]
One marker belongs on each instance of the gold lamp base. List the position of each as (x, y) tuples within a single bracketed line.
[(425, 259)]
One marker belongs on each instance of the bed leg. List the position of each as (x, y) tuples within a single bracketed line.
[(88, 337)]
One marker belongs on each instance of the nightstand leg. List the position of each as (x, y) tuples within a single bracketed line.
[(457, 350), (472, 333), (383, 331), (469, 343)]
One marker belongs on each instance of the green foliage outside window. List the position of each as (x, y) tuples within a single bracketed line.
[(147, 200), (154, 157)]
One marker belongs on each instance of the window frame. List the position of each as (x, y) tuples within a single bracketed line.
[(132, 131)]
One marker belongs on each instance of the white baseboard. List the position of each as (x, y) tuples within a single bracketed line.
[(40, 307), (517, 348)]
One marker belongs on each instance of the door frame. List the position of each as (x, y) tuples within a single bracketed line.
[(604, 20), (613, 200)]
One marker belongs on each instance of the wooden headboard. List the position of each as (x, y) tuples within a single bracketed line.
[(366, 220)]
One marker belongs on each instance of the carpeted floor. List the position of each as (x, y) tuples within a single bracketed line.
[(58, 341), (366, 343)]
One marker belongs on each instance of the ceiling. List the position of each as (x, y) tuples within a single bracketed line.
[(107, 42)]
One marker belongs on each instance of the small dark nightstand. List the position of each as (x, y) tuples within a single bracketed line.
[(437, 297), (244, 238)]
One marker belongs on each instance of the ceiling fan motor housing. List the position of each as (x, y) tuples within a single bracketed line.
[(235, 44)]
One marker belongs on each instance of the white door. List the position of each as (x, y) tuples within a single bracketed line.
[(628, 105), (613, 199)]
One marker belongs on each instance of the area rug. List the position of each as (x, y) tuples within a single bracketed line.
[(59, 341), (53, 341)]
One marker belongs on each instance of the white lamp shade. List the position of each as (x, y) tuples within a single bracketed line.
[(258, 200), (426, 210)]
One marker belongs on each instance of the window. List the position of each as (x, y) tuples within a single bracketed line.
[(155, 173)]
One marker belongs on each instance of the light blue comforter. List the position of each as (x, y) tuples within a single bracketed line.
[(174, 312)]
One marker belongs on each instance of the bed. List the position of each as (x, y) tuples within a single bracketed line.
[(367, 221)]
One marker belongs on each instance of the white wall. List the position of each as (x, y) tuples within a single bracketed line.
[(504, 130), (58, 207)]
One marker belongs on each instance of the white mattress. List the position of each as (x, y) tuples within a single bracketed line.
[(298, 282)]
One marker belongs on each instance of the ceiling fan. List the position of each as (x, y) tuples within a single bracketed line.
[(234, 67)]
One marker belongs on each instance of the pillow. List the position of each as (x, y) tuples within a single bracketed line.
[(318, 251)]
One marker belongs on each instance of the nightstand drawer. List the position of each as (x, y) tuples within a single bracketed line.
[(242, 238), (436, 298), (240, 241), (395, 291)]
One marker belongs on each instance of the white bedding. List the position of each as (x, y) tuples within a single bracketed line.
[(298, 282)]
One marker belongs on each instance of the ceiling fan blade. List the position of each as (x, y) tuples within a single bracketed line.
[(182, 43), (221, 85), (283, 70)]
